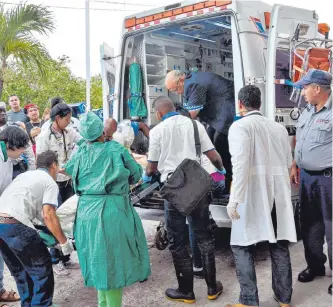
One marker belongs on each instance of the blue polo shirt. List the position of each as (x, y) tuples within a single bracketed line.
[(213, 96)]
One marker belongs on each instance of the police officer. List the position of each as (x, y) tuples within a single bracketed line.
[(313, 155)]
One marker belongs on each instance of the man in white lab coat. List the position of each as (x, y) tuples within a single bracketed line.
[(260, 201)]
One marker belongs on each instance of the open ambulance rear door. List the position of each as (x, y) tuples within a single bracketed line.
[(284, 22), (108, 71)]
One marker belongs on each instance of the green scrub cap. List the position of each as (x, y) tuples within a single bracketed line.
[(91, 126)]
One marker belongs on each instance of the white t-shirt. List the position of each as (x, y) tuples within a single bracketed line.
[(172, 141), (6, 172), (25, 196)]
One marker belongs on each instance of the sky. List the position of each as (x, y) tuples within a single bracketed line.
[(106, 18)]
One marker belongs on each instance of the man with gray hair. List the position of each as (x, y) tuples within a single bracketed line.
[(211, 98), (313, 155)]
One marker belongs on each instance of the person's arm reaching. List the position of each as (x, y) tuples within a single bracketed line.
[(52, 223), (215, 158), (196, 99), (134, 168), (145, 129), (208, 149), (154, 153), (50, 201)]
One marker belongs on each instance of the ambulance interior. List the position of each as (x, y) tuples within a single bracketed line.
[(203, 45)]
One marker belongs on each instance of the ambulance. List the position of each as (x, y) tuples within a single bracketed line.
[(249, 42)]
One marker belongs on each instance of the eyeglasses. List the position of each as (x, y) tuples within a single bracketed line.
[(176, 88)]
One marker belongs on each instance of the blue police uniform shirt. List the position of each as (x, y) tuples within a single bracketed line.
[(313, 149), (214, 96)]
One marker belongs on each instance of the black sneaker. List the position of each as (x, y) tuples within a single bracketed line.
[(214, 293), (177, 296), (330, 289)]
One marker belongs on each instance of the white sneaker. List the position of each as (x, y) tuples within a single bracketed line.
[(60, 269), (72, 265)]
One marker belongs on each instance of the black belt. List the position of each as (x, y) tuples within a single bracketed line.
[(327, 172)]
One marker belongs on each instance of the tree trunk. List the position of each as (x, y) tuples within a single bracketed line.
[(1, 85), (2, 75)]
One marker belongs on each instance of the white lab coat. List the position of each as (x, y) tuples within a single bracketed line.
[(261, 158)]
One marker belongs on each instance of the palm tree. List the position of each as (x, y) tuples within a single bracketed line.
[(17, 42)]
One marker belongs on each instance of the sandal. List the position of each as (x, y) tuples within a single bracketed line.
[(9, 296), (5, 305)]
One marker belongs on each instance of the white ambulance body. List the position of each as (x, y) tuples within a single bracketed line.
[(249, 42)]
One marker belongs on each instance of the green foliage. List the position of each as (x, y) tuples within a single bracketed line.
[(31, 87), (17, 42)]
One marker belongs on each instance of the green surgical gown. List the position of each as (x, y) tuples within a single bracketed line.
[(109, 236)]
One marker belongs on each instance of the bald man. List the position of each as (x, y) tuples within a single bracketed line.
[(171, 142), (110, 127), (211, 98)]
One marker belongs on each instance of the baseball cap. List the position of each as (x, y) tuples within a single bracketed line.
[(315, 76), (2, 105)]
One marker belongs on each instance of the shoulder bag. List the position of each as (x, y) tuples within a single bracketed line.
[(187, 187)]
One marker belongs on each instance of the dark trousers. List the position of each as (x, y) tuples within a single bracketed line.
[(65, 191), (196, 255), (221, 144), (29, 262), (316, 218), (246, 274), (176, 227)]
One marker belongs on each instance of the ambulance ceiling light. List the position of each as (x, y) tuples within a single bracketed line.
[(219, 24), (195, 37), (192, 27)]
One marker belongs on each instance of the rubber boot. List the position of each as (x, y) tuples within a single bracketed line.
[(215, 288), (184, 273)]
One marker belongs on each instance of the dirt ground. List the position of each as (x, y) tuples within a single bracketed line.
[(70, 292)]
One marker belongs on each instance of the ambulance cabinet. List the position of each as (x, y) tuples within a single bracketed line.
[(175, 63)]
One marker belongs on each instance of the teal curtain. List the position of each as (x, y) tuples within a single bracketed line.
[(137, 107)]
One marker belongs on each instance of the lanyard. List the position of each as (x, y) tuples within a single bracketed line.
[(63, 139), (4, 150)]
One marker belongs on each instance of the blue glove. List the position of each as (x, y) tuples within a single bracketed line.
[(223, 172), (146, 178)]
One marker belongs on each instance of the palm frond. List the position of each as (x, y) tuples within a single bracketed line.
[(27, 51), (25, 19)]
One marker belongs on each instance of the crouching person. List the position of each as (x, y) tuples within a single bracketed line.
[(32, 195)]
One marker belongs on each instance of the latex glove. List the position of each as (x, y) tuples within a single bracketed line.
[(223, 171), (232, 211), (67, 248), (145, 178)]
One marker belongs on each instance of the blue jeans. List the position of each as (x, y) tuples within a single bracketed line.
[(282, 282), (29, 262)]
